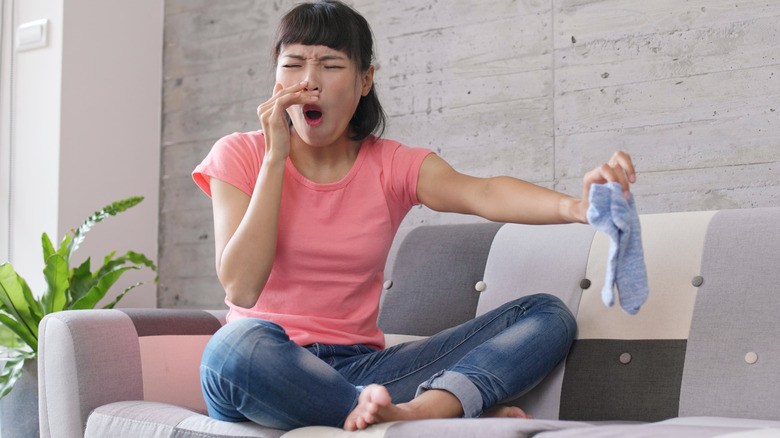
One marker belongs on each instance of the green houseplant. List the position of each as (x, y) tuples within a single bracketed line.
[(67, 288)]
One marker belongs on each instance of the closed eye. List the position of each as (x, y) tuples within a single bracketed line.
[(290, 65)]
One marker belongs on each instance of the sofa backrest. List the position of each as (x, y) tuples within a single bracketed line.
[(629, 367), (713, 295), (525, 260), (732, 364), (437, 267)]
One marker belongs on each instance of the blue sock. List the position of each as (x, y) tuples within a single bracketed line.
[(610, 213)]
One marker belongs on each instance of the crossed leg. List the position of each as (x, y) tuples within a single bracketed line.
[(375, 406), (534, 342), (250, 357)]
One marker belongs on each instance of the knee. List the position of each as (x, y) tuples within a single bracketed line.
[(556, 308), (562, 311), (249, 330), (238, 339)]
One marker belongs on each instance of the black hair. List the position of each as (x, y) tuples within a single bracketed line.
[(333, 24)]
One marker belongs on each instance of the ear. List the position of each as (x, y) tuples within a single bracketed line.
[(368, 80)]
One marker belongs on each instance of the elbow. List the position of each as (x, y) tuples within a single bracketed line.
[(241, 299), (241, 289), (239, 293)]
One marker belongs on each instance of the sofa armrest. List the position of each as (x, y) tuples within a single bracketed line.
[(88, 358)]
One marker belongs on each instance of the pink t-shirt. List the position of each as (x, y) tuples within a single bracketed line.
[(333, 239)]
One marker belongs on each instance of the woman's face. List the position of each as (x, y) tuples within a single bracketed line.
[(340, 85)]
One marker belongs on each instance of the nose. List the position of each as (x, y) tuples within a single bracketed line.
[(312, 78)]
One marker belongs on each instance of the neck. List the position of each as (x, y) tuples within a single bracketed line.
[(324, 164)]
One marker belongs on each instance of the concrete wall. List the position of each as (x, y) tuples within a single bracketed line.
[(542, 90)]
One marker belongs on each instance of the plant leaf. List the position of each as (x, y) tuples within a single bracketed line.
[(63, 249), (57, 278), (48, 247), (108, 265), (9, 339), (17, 300), (140, 259), (11, 370), (112, 209), (20, 330), (97, 292), (80, 281), (120, 296), (111, 265), (130, 256)]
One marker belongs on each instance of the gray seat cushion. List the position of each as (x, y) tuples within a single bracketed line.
[(736, 314), (483, 427), (133, 419)]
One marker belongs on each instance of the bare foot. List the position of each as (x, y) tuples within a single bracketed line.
[(506, 412), (375, 406), (371, 401)]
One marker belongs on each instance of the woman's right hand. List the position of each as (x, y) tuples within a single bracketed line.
[(271, 114)]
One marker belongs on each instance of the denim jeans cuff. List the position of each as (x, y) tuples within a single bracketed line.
[(460, 386)]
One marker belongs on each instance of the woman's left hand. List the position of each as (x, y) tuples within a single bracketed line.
[(618, 169)]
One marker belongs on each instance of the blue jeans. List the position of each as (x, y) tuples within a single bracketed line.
[(252, 371)]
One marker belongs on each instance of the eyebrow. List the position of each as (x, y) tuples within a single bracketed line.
[(320, 58)]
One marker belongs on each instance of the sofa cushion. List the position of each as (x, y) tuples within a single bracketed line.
[(529, 259), (673, 244), (436, 268), (374, 431), (483, 427), (731, 367), (605, 382), (645, 431), (619, 359), (133, 419), (444, 428), (683, 427)]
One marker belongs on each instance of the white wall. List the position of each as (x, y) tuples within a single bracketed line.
[(5, 124), (111, 98), (35, 138), (87, 132)]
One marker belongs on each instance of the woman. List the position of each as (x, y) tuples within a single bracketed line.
[(305, 212)]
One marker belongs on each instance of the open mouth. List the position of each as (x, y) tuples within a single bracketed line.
[(312, 114)]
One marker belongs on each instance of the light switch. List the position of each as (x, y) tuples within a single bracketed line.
[(32, 35)]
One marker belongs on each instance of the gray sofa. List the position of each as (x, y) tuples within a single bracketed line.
[(701, 358)]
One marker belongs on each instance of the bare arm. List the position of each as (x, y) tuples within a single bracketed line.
[(245, 231), (245, 228), (506, 199)]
